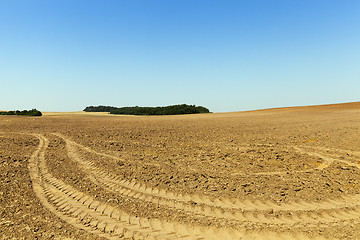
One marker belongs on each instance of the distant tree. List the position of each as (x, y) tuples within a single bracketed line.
[(167, 110), (32, 112), (99, 108)]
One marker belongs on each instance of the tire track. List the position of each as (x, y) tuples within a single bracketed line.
[(334, 157), (40, 192), (84, 212), (292, 213)]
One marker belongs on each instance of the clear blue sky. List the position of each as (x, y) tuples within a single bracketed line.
[(64, 55)]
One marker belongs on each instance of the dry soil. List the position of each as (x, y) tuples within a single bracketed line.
[(287, 173)]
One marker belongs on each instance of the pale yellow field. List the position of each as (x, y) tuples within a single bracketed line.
[(76, 113)]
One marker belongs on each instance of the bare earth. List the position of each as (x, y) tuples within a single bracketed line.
[(287, 173)]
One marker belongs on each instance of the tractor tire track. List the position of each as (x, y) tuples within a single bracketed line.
[(292, 213), (84, 212), (40, 192), (335, 157)]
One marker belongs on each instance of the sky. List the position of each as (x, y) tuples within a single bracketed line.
[(226, 55)]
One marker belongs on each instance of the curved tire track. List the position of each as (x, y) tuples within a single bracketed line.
[(292, 213), (84, 212)]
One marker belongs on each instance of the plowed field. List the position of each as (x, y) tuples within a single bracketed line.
[(289, 173)]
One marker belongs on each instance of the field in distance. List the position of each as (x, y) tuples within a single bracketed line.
[(286, 173), (76, 113)]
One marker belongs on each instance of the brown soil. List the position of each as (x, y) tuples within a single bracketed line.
[(288, 173)]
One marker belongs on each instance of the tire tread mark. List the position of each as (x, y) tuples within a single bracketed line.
[(224, 203), (59, 198), (218, 208)]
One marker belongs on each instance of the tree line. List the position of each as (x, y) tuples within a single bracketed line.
[(32, 112), (99, 108), (167, 110)]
